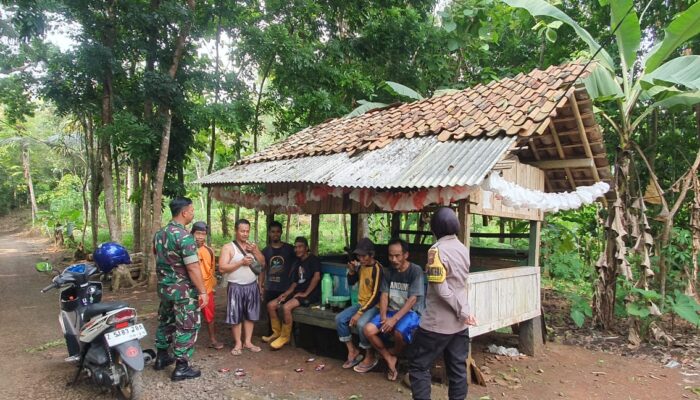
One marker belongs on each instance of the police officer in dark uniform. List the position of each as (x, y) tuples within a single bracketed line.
[(181, 290)]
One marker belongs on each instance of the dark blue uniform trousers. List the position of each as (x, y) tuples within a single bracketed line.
[(426, 347)]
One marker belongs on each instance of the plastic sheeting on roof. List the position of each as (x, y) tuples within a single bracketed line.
[(293, 200), (517, 196), (403, 164)]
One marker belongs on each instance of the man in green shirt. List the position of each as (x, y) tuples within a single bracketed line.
[(181, 290)]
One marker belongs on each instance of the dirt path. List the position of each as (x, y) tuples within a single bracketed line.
[(32, 352)]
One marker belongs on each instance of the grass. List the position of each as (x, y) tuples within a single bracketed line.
[(45, 346)]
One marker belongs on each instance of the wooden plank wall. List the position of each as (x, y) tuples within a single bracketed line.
[(503, 297), (485, 203)]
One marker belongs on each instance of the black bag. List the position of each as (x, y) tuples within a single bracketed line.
[(255, 266)]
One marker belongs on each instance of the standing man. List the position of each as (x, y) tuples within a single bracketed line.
[(367, 273), (400, 306), (206, 262), (304, 291), (241, 260), (444, 324), (181, 290), (276, 276)]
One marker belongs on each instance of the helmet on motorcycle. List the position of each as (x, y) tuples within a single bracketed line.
[(108, 256)]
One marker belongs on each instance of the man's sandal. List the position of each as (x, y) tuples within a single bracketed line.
[(365, 368), (351, 363), (392, 375)]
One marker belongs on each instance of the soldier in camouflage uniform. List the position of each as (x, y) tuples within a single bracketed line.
[(181, 290)]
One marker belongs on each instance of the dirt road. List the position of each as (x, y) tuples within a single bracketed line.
[(32, 352)]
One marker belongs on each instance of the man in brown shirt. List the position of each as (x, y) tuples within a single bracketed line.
[(444, 323)]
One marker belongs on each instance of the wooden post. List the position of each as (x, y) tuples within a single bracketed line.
[(464, 221), (533, 255), (395, 225), (530, 336), (530, 331), (354, 221), (315, 219), (268, 220)]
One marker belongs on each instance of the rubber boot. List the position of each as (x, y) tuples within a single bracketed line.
[(184, 371), (163, 359), (285, 337), (276, 330)]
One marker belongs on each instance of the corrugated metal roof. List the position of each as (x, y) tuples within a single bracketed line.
[(403, 164)]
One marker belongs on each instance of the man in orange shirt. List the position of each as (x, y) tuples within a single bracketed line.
[(206, 262)]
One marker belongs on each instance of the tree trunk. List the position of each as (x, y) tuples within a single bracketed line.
[(117, 179), (255, 224), (346, 234), (93, 164), (212, 145), (167, 116), (158, 186), (115, 233), (146, 219), (223, 214), (110, 209), (612, 259), (86, 211), (135, 207), (28, 178)]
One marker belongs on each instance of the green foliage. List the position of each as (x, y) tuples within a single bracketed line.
[(685, 307), (63, 204), (404, 91), (569, 245), (580, 309), (544, 9), (681, 29)]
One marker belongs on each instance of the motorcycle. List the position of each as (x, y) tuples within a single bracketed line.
[(104, 338)]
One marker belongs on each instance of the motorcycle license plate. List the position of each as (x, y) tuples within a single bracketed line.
[(124, 335)]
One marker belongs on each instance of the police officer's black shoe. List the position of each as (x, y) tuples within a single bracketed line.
[(163, 359), (184, 371)]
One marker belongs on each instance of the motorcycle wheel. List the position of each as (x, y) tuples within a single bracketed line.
[(131, 388)]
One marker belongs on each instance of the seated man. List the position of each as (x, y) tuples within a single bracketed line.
[(368, 272), (277, 274), (304, 291), (400, 305)]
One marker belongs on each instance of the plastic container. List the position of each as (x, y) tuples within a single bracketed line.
[(354, 291), (326, 288), (339, 273)]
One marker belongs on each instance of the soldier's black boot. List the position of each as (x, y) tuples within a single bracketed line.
[(163, 359), (184, 371)]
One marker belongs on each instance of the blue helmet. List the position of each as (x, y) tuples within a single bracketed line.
[(108, 256)]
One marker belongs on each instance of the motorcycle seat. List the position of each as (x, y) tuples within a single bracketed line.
[(101, 308)]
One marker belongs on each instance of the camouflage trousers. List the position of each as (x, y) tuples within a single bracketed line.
[(179, 319)]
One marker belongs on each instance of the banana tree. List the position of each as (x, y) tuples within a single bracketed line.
[(637, 85)]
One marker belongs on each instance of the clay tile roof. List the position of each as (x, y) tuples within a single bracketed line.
[(516, 106)]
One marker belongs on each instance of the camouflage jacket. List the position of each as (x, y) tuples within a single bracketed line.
[(174, 248)]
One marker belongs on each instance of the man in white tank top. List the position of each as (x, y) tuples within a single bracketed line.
[(243, 307)]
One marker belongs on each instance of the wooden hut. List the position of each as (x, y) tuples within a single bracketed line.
[(535, 130)]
